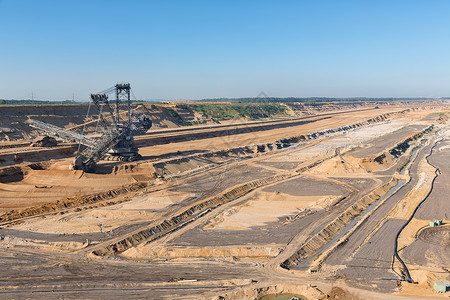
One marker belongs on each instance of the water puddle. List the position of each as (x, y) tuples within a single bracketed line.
[(411, 158)]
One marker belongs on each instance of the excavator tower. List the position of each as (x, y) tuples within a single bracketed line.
[(117, 124)]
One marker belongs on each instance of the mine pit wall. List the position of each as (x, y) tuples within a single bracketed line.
[(17, 173), (11, 174), (191, 164), (194, 212), (310, 248), (67, 151), (173, 223), (14, 119), (401, 148), (342, 129), (145, 141), (260, 127), (388, 158), (58, 206), (37, 155), (188, 215)]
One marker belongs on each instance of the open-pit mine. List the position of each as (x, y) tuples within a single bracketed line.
[(327, 201)]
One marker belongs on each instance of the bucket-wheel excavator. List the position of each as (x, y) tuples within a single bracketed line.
[(116, 130)]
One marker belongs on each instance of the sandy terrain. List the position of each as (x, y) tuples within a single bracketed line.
[(378, 255), (388, 140), (225, 229), (266, 208), (141, 209)]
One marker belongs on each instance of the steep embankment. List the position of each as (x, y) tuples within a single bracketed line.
[(14, 119), (17, 173), (204, 207), (348, 163), (93, 200), (310, 248), (195, 163), (188, 165)]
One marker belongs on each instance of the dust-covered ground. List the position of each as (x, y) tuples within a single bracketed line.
[(429, 246), (250, 212)]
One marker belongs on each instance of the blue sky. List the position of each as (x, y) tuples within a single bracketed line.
[(204, 49)]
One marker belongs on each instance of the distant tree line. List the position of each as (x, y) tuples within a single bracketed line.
[(236, 110), (35, 102), (309, 99)]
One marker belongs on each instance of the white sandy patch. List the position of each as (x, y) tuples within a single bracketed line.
[(11, 241), (139, 209), (85, 221), (269, 207), (307, 153), (156, 200), (423, 180), (365, 134)]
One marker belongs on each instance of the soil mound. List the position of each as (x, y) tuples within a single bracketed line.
[(341, 166)]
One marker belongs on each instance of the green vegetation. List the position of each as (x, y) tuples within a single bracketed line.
[(309, 100), (148, 102), (64, 102), (236, 111), (36, 102), (177, 117)]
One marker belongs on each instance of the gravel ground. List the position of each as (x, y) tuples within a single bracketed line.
[(276, 232), (43, 275), (376, 255), (358, 183), (217, 181), (282, 165), (387, 141), (437, 206), (372, 263), (305, 186), (427, 254)]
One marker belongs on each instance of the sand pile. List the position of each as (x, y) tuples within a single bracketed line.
[(340, 166)]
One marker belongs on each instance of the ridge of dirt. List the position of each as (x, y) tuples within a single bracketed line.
[(70, 202)]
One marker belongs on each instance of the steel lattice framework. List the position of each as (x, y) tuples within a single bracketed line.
[(116, 140)]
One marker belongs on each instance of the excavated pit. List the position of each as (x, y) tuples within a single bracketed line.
[(170, 230), (310, 248)]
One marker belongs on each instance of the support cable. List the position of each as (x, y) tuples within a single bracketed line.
[(84, 126)]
